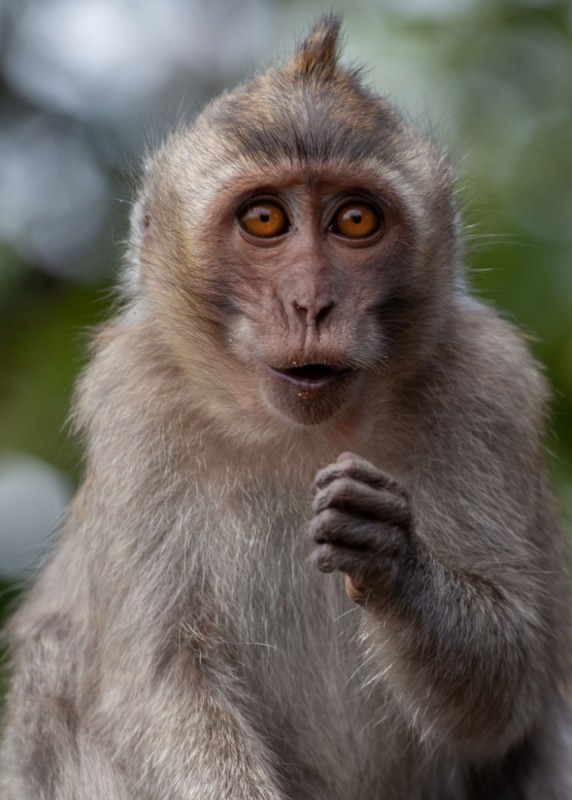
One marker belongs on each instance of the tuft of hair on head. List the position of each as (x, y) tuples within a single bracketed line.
[(317, 55)]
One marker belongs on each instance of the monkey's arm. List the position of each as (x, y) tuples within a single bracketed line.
[(466, 651), (113, 698), (183, 738), (139, 734)]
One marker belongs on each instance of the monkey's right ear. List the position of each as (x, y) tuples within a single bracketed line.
[(317, 56)]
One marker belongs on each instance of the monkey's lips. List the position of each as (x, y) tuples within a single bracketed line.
[(309, 393), (310, 377)]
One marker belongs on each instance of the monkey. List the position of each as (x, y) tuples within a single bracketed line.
[(315, 554)]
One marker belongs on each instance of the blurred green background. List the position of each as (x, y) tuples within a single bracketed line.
[(87, 85)]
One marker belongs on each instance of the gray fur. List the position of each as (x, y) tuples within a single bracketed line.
[(181, 644)]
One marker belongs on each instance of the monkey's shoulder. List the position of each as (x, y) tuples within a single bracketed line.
[(485, 363), (483, 401), (478, 459)]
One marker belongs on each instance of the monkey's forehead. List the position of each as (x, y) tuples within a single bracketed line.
[(307, 121), (273, 120)]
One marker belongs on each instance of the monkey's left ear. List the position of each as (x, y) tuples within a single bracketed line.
[(317, 56)]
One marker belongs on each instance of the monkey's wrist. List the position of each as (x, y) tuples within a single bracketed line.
[(391, 579)]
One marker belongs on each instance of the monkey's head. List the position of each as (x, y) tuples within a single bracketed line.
[(295, 248)]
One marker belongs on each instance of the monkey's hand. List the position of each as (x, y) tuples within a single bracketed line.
[(362, 527)]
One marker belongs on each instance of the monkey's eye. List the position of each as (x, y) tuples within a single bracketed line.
[(263, 219), (356, 220)]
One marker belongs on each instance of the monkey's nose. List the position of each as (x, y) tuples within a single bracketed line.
[(313, 313)]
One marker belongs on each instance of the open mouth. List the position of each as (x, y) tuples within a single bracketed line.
[(312, 376)]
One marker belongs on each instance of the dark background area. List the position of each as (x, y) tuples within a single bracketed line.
[(87, 85)]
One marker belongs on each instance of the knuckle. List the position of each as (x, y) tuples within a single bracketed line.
[(402, 508), (392, 485), (395, 508), (320, 479), (328, 518), (326, 475), (341, 489), (354, 469), (323, 523), (320, 502), (324, 557)]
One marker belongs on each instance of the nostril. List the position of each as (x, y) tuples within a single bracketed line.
[(313, 313), (323, 313)]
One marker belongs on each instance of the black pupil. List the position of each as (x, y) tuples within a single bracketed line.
[(265, 216), (356, 218)]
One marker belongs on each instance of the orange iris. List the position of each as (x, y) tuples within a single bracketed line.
[(356, 220), (264, 220)]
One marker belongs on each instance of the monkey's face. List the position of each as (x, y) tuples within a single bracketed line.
[(313, 266), (296, 243)]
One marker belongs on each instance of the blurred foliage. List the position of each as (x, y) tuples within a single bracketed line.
[(51, 320), (495, 75)]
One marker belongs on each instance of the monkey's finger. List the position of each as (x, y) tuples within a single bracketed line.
[(358, 469), (349, 455), (368, 537), (329, 559), (347, 494), (367, 472)]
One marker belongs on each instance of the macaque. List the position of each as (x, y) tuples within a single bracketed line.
[(314, 555)]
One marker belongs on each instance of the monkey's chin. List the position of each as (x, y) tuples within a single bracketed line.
[(308, 401)]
